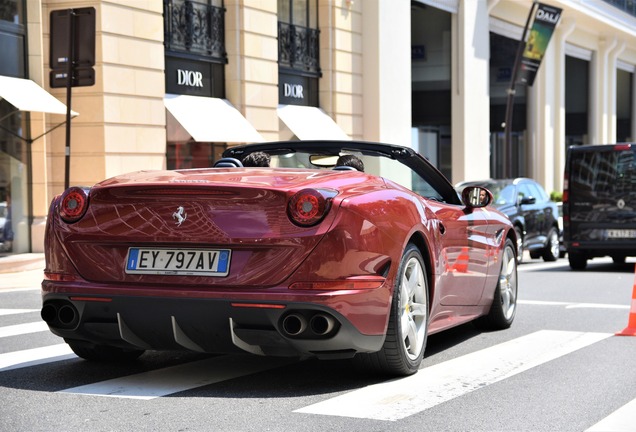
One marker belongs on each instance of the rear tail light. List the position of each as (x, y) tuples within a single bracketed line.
[(73, 204), (309, 206), (620, 147)]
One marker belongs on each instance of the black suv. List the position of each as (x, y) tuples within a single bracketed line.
[(529, 208), (599, 203)]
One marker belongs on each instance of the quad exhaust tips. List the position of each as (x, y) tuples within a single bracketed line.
[(318, 325)]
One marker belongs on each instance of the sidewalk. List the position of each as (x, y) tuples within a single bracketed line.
[(21, 270)]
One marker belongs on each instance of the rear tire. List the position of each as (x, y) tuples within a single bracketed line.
[(519, 244), (407, 329), (103, 353), (504, 304), (618, 259), (551, 251), (578, 261)]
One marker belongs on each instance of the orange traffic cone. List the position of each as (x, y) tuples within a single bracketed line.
[(461, 264), (630, 330)]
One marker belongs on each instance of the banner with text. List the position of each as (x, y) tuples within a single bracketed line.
[(545, 20)]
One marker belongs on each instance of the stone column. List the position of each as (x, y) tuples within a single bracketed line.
[(470, 92)]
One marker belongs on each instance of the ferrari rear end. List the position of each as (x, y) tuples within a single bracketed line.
[(272, 262)]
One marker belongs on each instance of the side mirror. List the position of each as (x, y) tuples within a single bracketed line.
[(528, 200), (475, 196)]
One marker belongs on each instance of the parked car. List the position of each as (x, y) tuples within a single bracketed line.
[(562, 249), (533, 214), (3, 218), (599, 203), (301, 258)]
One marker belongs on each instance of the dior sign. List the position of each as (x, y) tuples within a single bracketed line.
[(189, 78), (194, 77), (293, 90)]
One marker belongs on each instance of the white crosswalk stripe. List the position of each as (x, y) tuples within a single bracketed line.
[(390, 401), (35, 356), (569, 305), (621, 420), (431, 386), (16, 311), (21, 329), (162, 382)]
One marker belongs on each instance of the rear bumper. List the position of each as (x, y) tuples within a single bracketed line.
[(602, 248), (275, 326)]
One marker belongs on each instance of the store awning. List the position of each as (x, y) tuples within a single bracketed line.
[(211, 119), (310, 123), (26, 95)]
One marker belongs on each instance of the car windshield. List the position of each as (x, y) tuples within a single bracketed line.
[(504, 194), (385, 167)]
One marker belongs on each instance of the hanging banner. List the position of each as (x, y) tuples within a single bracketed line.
[(545, 20)]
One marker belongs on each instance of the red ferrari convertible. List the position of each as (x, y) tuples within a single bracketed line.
[(332, 250)]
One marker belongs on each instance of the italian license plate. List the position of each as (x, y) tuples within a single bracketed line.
[(199, 262), (621, 233)]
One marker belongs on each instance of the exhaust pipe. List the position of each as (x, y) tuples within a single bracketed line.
[(67, 315), (322, 324), (294, 324), (48, 313), (61, 314)]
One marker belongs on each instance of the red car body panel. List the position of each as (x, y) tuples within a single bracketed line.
[(368, 225)]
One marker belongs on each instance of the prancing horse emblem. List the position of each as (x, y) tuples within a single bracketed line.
[(180, 215)]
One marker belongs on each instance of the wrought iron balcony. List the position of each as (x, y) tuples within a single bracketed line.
[(298, 48), (627, 6), (193, 27)]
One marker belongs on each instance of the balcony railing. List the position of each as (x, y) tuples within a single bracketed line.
[(194, 28), (298, 48), (627, 6)]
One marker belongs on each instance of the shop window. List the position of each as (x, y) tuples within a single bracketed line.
[(193, 154), (14, 231), (12, 38), (298, 36), (627, 6), (298, 49), (624, 105), (576, 101), (196, 28), (507, 159), (194, 39)]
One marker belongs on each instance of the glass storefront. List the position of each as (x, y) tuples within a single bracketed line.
[(14, 209), (512, 155), (624, 105), (431, 85), (193, 154), (195, 60), (576, 101)]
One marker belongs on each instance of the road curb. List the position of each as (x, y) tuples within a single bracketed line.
[(21, 262)]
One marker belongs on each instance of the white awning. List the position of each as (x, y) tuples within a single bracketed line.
[(26, 95), (310, 123), (211, 119)]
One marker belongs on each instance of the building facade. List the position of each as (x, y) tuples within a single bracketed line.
[(178, 81)]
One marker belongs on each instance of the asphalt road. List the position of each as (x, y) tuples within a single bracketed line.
[(559, 368)]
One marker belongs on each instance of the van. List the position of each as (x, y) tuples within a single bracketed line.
[(599, 203)]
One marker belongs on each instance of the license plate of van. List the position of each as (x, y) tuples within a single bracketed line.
[(621, 233)]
